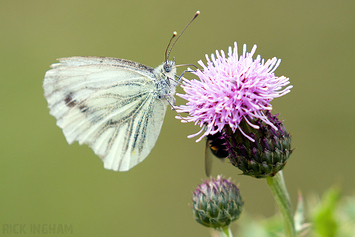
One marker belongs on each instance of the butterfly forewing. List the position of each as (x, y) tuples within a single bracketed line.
[(108, 104)]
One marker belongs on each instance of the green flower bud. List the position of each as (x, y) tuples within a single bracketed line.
[(217, 202), (266, 155)]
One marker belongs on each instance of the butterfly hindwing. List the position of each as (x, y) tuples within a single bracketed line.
[(106, 103)]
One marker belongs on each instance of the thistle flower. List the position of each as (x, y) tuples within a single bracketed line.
[(217, 202), (264, 157), (232, 89)]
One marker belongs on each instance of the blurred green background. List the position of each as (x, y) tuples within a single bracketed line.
[(43, 180)]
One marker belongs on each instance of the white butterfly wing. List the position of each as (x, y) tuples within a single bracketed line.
[(108, 104)]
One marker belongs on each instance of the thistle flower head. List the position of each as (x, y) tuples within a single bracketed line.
[(264, 157), (217, 202), (232, 88)]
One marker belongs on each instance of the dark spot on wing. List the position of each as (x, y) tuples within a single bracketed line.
[(83, 108), (111, 122), (69, 100)]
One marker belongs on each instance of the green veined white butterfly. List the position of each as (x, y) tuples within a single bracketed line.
[(116, 106)]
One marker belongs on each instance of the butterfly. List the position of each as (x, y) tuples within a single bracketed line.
[(116, 106)]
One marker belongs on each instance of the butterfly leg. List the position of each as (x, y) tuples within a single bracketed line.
[(182, 74)]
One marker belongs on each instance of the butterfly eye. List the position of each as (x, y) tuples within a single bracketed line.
[(167, 67)]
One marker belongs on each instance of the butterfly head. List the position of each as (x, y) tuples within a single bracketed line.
[(168, 66), (169, 69)]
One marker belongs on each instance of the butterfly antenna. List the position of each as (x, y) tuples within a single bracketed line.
[(184, 65), (167, 55), (167, 47)]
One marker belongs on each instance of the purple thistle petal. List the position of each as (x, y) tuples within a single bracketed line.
[(231, 89)]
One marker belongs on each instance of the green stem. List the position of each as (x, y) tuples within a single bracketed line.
[(278, 189), (225, 232)]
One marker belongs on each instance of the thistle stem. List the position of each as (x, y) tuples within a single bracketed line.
[(225, 232), (278, 189)]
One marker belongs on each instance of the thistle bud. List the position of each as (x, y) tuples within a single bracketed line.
[(217, 203), (264, 156)]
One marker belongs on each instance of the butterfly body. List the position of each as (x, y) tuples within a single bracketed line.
[(116, 106)]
